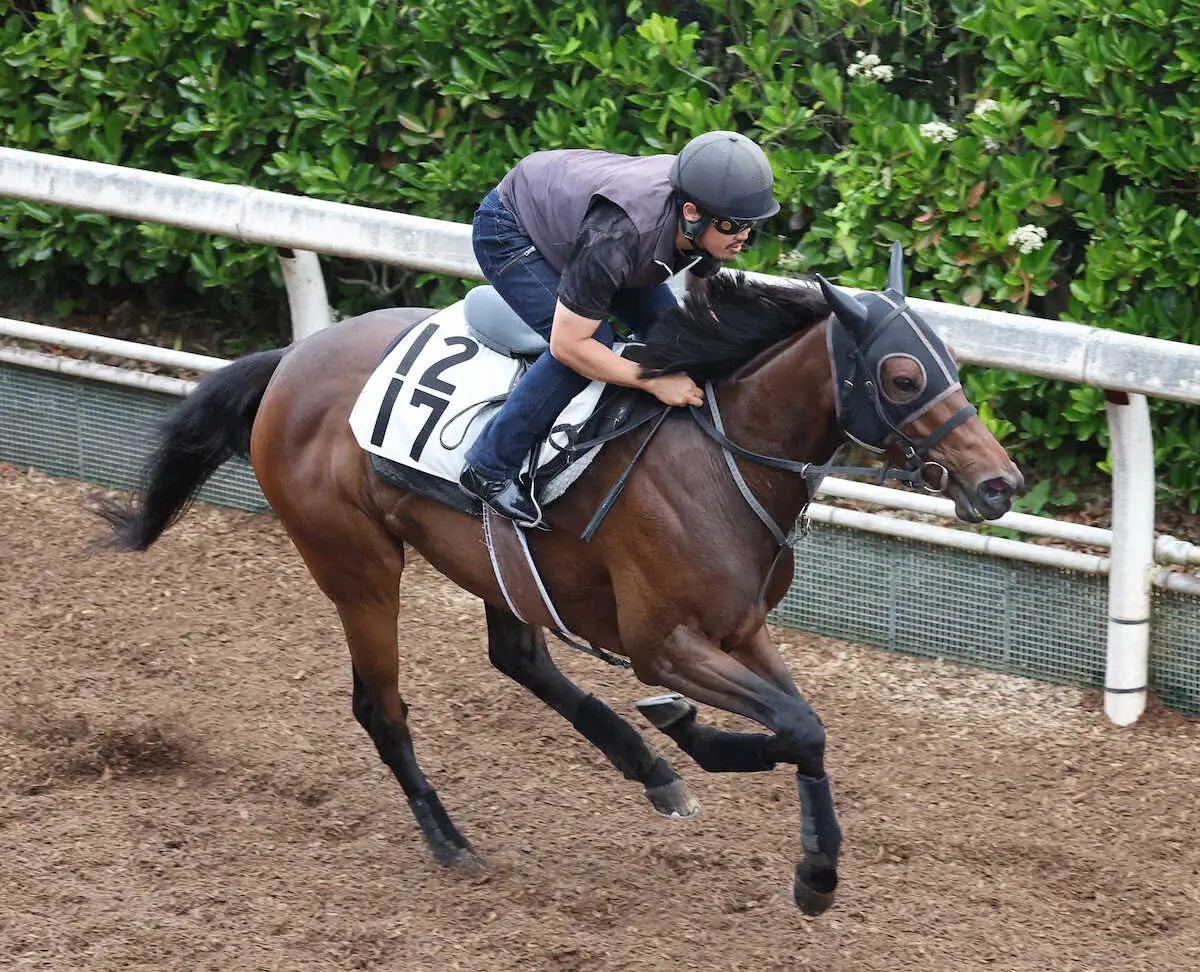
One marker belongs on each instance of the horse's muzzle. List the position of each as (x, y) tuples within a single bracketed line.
[(994, 496)]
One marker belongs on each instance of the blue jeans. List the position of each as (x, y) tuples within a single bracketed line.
[(529, 284)]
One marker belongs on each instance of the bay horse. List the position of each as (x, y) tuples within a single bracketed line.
[(681, 574)]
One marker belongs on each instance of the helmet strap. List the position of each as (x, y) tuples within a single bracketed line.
[(693, 228)]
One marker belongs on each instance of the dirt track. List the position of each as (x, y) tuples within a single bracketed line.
[(182, 786)]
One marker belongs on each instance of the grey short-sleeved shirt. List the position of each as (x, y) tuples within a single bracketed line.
[(604, 257)]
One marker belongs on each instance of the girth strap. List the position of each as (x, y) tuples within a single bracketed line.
[(522, 587)]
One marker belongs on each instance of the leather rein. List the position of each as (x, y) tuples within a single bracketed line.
[(914, 475), (919, 472), (914, 454)]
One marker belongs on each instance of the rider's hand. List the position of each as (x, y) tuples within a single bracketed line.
[(674, 390)]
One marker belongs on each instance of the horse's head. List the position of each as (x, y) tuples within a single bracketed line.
[(898, 393)]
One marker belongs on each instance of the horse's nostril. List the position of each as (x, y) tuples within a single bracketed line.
[(996, 489)]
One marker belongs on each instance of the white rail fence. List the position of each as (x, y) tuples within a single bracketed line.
[(1128, 367)]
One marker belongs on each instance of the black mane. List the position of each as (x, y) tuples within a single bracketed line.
[(713, 334)]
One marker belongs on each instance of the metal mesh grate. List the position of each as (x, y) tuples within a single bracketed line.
[(902, 595), (925, 600), (1175, 651), (1023, 619), (97, 432)]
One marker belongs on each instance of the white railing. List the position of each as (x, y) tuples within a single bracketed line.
[(1129, 366)]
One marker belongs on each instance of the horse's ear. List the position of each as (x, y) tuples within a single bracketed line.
[(896, 269), (850, 312)]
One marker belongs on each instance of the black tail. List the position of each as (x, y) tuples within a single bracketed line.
[(210, 426)]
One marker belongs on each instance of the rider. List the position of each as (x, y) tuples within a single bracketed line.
[(570, 237)]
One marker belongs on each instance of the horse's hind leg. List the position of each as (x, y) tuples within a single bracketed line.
[(519, 651), (381, 711), (365, 590)]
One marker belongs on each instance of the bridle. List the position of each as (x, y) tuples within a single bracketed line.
[(859, 396), (864, 384), (880, 424)]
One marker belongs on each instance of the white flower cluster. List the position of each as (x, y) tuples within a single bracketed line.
[(984, 105), (938, 131), (1027, 238), (990, 144), (792, 260), (868, 67)]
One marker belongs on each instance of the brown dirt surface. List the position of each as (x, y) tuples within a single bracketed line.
[(183, 786)]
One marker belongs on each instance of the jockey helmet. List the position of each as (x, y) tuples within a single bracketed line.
[(726, 175)]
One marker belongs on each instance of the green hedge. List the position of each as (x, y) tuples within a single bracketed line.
[(1034, 156)]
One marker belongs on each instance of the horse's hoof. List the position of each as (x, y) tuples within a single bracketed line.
[(814, 888), (673, 801), (663, 711), (459, 859)]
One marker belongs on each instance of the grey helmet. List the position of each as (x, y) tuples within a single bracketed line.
[(725, 174)]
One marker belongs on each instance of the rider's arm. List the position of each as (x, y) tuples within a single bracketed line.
[(603, 259), (571, 342)]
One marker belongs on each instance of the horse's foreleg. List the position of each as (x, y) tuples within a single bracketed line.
[(816, 875), (519, 651), (758, 653), (695, 666), (716, 750)]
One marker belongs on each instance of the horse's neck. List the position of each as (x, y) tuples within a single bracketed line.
[(782, 404)]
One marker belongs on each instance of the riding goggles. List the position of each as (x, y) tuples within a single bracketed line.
[(730, 227)]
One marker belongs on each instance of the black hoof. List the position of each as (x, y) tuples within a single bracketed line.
[(450, 848), (814, 888), (459, 859), (673, 801), (663, 711)]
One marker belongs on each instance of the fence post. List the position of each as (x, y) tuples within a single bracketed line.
[(1127, 665), (305, 290)]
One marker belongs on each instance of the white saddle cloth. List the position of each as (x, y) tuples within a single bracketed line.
[(429, 398)]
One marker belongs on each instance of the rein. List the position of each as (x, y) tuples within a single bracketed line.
[(920, 472), (809, 470), (813, 473), (914, 453)]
